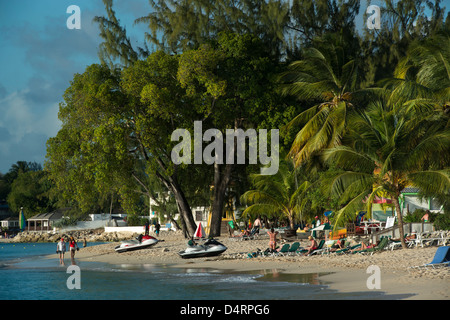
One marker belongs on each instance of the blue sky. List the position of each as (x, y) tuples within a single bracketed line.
[(38, 57)]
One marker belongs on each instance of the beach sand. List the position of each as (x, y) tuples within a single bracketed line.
[(345, 273)]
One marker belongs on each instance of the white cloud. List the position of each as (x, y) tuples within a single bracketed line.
[(25, 128)]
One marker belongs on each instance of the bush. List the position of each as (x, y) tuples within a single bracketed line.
[(135, 220), (442, 221), (415, 216)]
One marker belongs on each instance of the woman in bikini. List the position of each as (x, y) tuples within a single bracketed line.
[(72, 247), (272, 239)]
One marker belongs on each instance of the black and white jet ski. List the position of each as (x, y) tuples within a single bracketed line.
[(140, 242), (210, 248)]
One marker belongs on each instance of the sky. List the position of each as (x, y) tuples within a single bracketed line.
[(39, 55)]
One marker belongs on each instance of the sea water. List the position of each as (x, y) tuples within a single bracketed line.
[(26, 273)]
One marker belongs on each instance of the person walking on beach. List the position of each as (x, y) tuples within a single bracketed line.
[(147, 226), (272, 239), (72, 247), (61, 249)]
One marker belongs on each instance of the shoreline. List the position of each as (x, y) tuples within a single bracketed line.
[(344, 273)]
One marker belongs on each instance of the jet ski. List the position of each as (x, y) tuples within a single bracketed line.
[(141, 242), (210, 248)]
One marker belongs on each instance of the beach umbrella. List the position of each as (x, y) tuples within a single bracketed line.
[(319, 228), (21, 220), (322, 227), (327, 213), (200, 232)]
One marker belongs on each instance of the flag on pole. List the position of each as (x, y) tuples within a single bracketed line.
[(200, 232), (21, 220)]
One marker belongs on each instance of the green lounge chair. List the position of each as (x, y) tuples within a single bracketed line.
[(319, 249), (383, 243), (348, 249), (293, 248), (284, 250), (302, 251)]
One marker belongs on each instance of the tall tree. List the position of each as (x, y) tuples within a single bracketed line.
[(390, 150), (177, 26), (116, 131), (312, 19), (116, 44), (283, 195), (30, 190), (327, 78), (402, 22), (233, 79)]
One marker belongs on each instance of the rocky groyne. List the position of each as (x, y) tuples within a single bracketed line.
[(93, 235)]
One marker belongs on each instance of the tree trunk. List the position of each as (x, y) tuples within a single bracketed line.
[(185, 210), (188, 223), (221, 180), (220, 186), (400, 221), (291, 221)]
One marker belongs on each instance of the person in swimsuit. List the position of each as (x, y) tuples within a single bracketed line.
[(313, 245), (72, 247), (272, 239)]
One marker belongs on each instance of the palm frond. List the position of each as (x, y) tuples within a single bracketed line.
[(431, 181)]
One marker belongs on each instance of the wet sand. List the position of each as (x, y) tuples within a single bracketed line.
[(345, 273)]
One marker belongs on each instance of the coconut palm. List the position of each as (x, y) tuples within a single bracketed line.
[(327, 78), (390, 150), (422, 78), (279, 195)]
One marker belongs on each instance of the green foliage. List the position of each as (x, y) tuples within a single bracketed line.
[(30, 191), (442, 221), (135, 220), (283, 195), (354, 132)]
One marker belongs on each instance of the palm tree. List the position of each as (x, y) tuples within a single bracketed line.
[(327, 78), (279, 195), (389, 150), (422, 78)]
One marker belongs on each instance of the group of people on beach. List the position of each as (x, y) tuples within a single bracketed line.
[(273, 242), (61, 249)]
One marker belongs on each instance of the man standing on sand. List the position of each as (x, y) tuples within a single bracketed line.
[(257, 225), (61, 249), (147, 226)]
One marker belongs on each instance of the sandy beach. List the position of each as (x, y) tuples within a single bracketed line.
[(345, 273)]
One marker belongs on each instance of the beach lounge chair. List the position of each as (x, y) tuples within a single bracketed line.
[(427, 238), (441, 258), (283, 251), (383, 243), (293, 249), (244, 237), (347, 249), (319, 247)]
